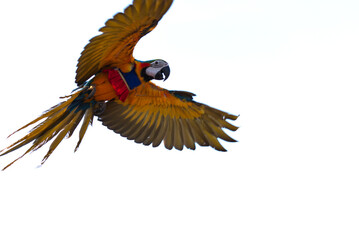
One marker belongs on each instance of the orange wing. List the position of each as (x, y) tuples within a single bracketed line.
[(151, 114), (114, 47)]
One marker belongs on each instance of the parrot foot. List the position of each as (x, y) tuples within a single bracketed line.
[(99, 108), (92, 91)]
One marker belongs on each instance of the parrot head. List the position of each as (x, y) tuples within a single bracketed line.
[(158, 70)]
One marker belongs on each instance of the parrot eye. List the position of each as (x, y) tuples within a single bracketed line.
[(158, 63)]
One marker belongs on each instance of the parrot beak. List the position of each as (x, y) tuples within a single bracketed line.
[(163, 74)]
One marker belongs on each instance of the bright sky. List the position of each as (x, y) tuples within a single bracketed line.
[(289, 68)]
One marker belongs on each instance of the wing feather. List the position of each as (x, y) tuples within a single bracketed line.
[(187, 135), (134, 131), (198, 133), (161, 131), (146, 131), (152, 114), (154, 132), (169, 136), (114, 47), (123, 126), (177, 137)]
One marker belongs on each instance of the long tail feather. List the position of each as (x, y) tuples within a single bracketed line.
[(59, 121), (51, 111), (87, 120), (66, 127)]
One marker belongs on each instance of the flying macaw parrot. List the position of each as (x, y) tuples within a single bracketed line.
[(117, 88)]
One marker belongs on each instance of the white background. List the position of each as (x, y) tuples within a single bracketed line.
[(289, 68)]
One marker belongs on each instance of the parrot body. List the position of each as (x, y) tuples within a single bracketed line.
[(117, 88)]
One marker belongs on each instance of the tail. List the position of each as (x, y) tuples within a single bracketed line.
[(59, 121)]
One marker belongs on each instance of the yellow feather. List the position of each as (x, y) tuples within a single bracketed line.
[(169, 134), (177, 138), (213, 142), (40, 140), (85, 124), (50, 111), (34, 133), (160, 132), (186, 133), (114, 47), (68, 123)]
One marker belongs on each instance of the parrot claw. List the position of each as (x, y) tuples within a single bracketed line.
[(99, 108)]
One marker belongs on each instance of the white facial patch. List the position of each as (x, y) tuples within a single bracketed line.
[(151, 71)]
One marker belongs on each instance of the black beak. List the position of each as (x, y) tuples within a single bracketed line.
[(163, 74)]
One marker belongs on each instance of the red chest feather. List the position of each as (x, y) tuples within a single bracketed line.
[(118, 83)]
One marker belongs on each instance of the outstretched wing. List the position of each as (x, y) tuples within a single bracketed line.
[(151, 114), (114, 47)]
